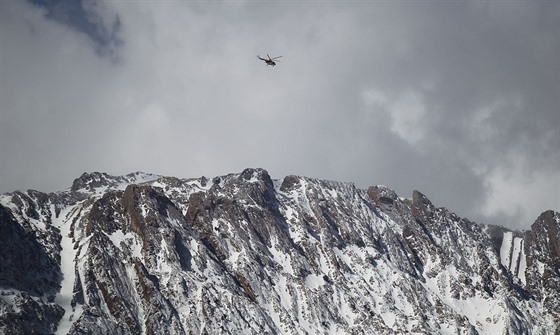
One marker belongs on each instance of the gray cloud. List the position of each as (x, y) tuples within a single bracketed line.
[(458, 100)]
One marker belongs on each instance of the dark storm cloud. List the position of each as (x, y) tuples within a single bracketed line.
[(458, 100), (86, 17)]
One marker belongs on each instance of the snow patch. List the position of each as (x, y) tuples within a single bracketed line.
[(505, 249), (127, 241), (314, 281)]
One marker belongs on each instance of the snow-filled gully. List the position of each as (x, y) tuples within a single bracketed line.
[(67, 267)]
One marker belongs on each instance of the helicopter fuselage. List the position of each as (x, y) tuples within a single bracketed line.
[(268, 61)]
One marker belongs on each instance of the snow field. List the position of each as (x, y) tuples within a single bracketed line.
[(487, 315)]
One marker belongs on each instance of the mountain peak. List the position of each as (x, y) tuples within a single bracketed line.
[(90, 181), (98, 182)]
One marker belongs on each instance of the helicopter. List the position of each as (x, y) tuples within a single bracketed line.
[(269, 61)]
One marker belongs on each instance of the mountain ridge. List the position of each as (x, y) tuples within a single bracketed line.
[(243, 253)]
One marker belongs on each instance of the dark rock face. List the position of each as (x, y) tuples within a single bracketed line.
[(30, 274), (245, 254), (26, 264), (543, 262)]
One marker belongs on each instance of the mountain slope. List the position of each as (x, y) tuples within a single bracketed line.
[(245, 254)]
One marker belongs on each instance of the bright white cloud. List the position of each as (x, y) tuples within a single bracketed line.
[(516, 196), (407, 112)]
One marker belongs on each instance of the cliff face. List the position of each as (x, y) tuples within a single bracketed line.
[(245, 254)]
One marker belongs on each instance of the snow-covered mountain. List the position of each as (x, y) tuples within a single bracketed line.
[(245, 254)]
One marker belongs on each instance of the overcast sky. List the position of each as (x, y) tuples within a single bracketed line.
[(460, 100)]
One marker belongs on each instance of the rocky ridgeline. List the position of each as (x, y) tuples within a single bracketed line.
[(245, 254)]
